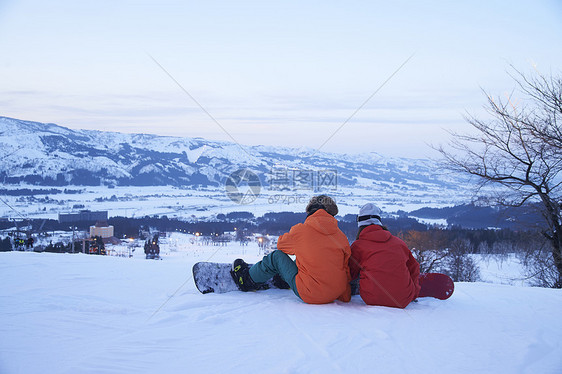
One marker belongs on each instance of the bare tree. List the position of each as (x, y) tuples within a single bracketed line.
[(429, 249), (459, 265), (519, 148), (547, 94)]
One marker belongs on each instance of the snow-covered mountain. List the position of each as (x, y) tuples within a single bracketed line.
[(48, 154)]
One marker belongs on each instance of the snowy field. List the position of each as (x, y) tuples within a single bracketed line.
[(64, 313), (208, 202)]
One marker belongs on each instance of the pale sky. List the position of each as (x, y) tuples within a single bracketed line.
[(271, 72)]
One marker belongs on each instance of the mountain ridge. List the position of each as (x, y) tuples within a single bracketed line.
[(52, 155)]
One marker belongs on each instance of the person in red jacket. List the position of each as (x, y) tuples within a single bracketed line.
[(320, 273), (388, 272)]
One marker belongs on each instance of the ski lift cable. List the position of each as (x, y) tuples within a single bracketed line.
[(12, 208), (199, 105), (363, 104), (3, 201)]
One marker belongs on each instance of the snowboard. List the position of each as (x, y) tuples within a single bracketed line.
[(215, 277), (437, 285)]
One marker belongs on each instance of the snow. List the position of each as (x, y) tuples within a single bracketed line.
[(194, 154), (64, 313), (431, 221), (502, 269), (184, 202), (396, 181)]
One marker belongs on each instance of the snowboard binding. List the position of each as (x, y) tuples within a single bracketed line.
[(241, 275)]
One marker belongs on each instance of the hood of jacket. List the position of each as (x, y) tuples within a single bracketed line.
[(322, 222), (375, 233)]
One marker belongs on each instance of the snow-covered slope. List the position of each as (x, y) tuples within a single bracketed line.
[(48, 154), (89, 314)]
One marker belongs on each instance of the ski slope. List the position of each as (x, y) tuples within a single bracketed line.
[(64, 313)]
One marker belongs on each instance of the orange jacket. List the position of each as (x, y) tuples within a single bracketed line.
[(323, 253)]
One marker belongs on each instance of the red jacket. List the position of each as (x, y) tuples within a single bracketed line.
[(322, 252), (389, 273)]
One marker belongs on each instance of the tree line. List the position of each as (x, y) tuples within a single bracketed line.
[(447, 250)]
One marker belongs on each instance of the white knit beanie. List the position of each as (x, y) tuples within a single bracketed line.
[(369, 214)]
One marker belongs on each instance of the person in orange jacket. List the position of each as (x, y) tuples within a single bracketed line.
[(389, 273), (320, 273)]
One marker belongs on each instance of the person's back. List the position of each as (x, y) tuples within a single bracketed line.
[(388, 272), (320, 273), (322, 252)]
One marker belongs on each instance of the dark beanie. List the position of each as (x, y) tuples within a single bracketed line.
[(322, 202)]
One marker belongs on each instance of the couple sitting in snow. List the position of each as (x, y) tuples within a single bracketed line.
[(325, 264)]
